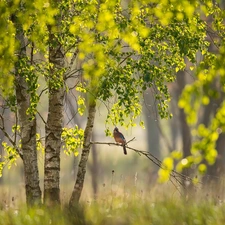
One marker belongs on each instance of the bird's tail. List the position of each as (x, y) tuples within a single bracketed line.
[(124, 150)]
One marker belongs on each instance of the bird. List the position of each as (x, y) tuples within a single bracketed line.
[(119, 138)]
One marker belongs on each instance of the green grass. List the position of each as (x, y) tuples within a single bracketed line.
[(117, 210)]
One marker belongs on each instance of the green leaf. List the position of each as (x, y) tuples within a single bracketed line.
[(202, 169)]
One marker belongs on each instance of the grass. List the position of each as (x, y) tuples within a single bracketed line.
[(122, 210), (121, 200)]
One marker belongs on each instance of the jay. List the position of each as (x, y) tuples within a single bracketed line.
[(119, 138)]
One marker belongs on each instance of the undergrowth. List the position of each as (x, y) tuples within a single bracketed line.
[(119, 211)]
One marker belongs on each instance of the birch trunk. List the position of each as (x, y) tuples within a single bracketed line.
[(54, 125), (28, 132), (78, 187)]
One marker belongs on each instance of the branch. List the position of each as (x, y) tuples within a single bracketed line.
[(42, 91), (2, 128), (129, 55), (178, 177), (130, 140), (39, 114)]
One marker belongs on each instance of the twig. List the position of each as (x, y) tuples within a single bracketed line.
[(131, 140), (39, 114), (42, 91)]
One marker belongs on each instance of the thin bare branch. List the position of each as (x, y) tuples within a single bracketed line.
[(73, 73), (131, 140), (39, 114), (16, 127), (42, 91), (129, 55)]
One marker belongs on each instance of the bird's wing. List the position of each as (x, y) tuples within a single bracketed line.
[(121, 135)]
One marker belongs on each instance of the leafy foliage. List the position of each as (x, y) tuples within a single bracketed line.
[(9, 157), (126, 50), (29, 73), (123, 49), (34, 17), (73, 140), (207, 88)]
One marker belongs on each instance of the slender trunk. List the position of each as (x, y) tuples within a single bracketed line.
[(151, 125), (54, 123), (185, 133), (28, 130), (78, 187), (1, 153), (216, 170), (94, 171), (185, 130), (94, 168), (174, 122)]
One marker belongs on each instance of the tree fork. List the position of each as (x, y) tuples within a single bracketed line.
[(78, 187)]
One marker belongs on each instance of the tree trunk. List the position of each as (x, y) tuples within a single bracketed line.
[(94, 168), (174, 122), (153, 133), (185, 134), (53, 128), (28, 141), (28, 131), (1, 152), (78, 187), (52, 148), (185, 130), (215, 171)]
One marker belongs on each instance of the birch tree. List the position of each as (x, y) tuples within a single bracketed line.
[(27, 126)]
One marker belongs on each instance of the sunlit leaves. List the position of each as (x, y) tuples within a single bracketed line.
[(16, 128), (202, 169), (201, 93), (81, 105), (34, 17), (124, 116), (123, 54), (80, 87), (7, 48), (28, 71), (9, 157), (166, 169), (72, 139), (81, 100), (191, 109), (39, 143), (55, 77), (141, 124)]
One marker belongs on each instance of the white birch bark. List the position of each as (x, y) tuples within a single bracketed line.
[(28, 133), (53, 127)]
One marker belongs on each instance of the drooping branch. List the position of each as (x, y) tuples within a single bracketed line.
[(174, 175)]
